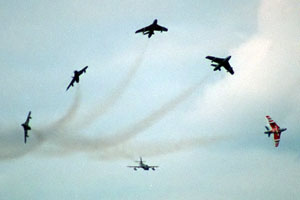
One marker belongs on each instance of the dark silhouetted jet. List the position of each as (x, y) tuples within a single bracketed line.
[(142, 165), (76, 77), (26, 127), (221, 62), (151, 28)]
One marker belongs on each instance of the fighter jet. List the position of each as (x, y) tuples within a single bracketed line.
[(221, 62), (151, 28), (76, 76), (26, 127), (142, 165), (275, 129)]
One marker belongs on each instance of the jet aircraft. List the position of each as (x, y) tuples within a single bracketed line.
[(76, 76), (275, 129), (221, 62), (142, 165), (26, 127), (151, 28)]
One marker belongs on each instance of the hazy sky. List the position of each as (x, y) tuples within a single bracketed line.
[(157, 98)]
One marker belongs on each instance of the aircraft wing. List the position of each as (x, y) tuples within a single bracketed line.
[(143, 29), (25, 135), (71, 84), (160, 28), (134, 166), (276, 139), (273, 125), (153, 166), (28, 117), (83, 70), (214, 59), (228, 68)]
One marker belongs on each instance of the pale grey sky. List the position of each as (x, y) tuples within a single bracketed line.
[(157, 98)]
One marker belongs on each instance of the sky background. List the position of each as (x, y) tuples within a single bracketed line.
[(158, 98)]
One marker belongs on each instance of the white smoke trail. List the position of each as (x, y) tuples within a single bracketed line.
[(70, 114), (12, 144), (12, 139), (81, 143), (150, 149), (99, 110), (150, 120)]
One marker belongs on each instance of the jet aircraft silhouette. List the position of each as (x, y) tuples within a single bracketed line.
[(151, 28), (76, 76), (26, 127), (142, 165), (221, 62)]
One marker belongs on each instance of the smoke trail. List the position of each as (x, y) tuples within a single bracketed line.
[(150, 149), (12, 144), (151, 119), (59, 131), (59, 141), (111, 100), (56, 128), (70, 114), (12, 139), (85, 144)]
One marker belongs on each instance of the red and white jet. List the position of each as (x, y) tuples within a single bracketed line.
[(275, 129)]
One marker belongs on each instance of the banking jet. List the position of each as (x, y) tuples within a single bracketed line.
[(76, 76), (26, 127), (221, 62), (151, 28), (142, 165), (275, 129)]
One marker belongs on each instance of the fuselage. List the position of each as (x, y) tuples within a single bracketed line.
[(276, 131), (144, 166), (26, 126)]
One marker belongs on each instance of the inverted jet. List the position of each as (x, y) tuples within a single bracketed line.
[(220, 62), (151, 28), (26, 127), (75, 78)]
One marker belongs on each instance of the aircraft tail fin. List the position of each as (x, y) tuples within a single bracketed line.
[(268, 131), (140, 161)]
